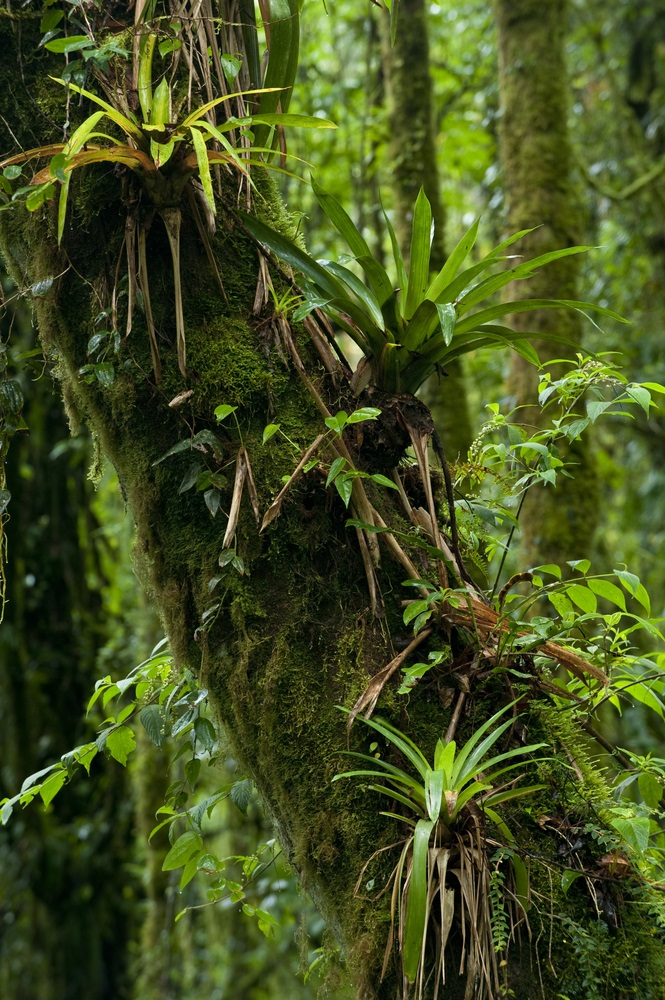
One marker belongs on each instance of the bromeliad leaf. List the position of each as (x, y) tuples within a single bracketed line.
[(409, 330)]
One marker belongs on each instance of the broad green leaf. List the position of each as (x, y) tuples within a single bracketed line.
[(283, 35), (568, 877), (413, 609), (444, 758), (128, 126), (32, 779), (337, 466), (402, 279), (609, 591), (643, 693), (269, 431), (383, 481), (421, 242), (201, 151), (11, 396), (192, 771), (596, 407), (529, 305), (186, 846), (635, 830), (583, 598), (205, 733), (454, 262), (70, 43), (293, 255), (191, 477), (120, 743), (152, 720), (364, 413), (50, 20), (484, 289), (579, 565), (362, 293), (651, 789), (241, 793), (223, 411), (434, 793), (105, 373), (86, 755), (267, 923), (50, 788), (189, 871), (641, 395), (447, 319), (634, 587), (416, 903), (338, 421), (344, 486)]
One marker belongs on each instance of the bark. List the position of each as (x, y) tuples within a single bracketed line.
[(556, 524), (294, 637), (413, 164)]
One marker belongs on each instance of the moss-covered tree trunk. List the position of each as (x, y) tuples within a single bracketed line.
[(280, 645), (556, 524), (413, 164)]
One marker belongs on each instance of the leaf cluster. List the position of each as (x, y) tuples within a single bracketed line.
[(408, 330)]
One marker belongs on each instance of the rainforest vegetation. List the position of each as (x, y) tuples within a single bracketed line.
[(331, 422)]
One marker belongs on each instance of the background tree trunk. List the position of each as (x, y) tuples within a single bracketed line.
[(555, 524), (413, 164)]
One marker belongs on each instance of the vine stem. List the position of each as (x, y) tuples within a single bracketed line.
[(507, 547)]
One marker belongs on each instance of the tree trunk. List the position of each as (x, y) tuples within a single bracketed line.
[(281, 645), (556, 524), (413, 164)]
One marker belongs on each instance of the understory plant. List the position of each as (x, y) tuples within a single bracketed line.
[(446, 804)]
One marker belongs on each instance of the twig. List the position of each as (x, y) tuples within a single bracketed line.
[(276, 506), (370, 695), (450, 496), (452, 727), (241, 473), (607, 745)]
